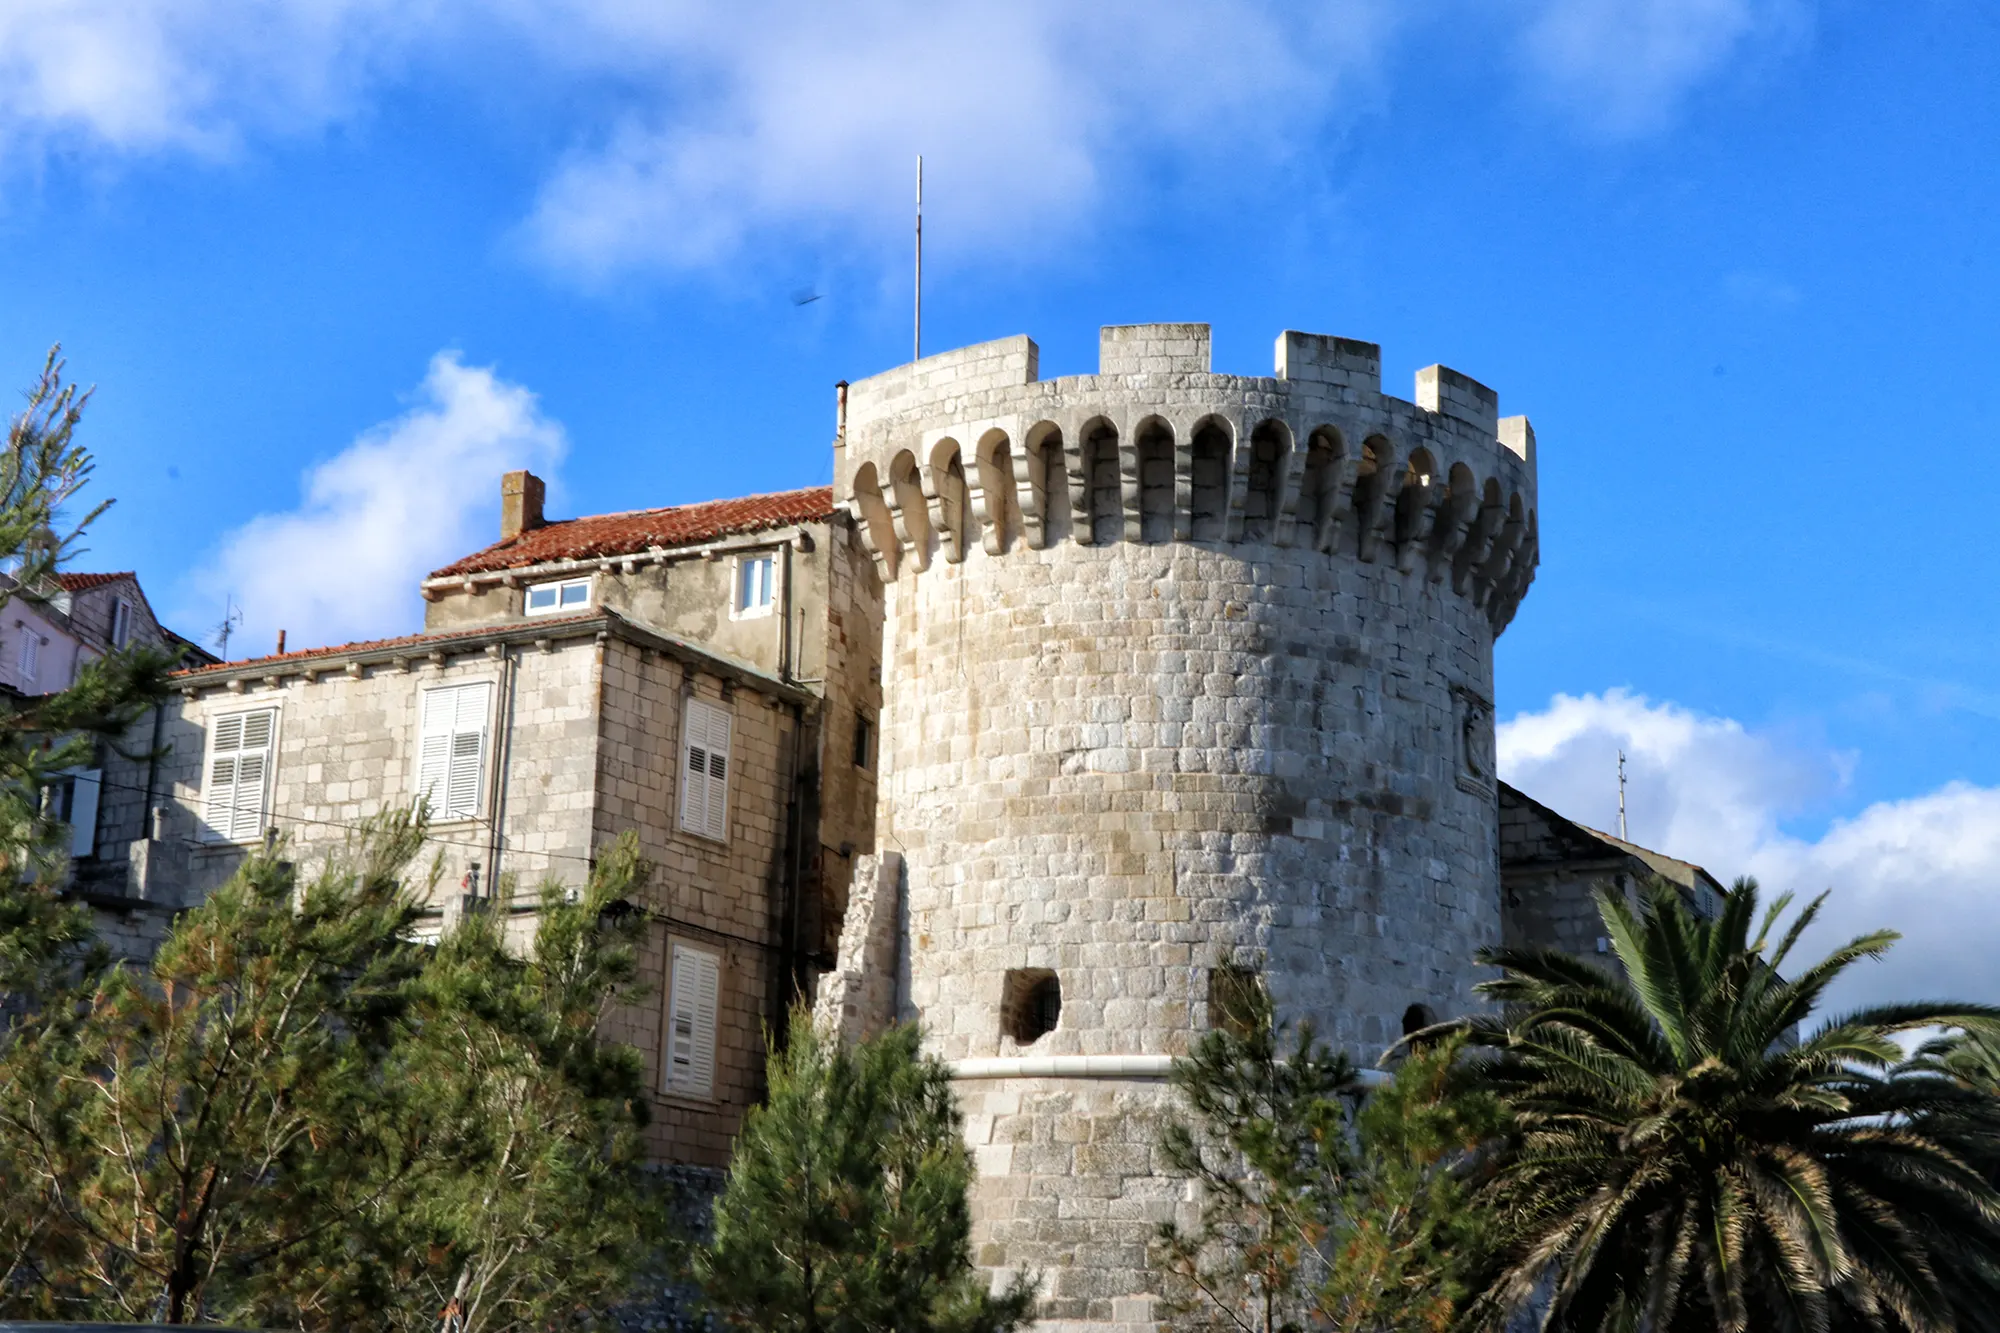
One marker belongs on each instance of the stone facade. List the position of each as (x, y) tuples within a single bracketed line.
[(1552, 868), (582, 723), (1181, 670)]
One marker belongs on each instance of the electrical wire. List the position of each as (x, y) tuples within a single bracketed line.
[(361, 825)]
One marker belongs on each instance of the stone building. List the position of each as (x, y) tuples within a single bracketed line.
[(1070, 704), (1552, 868), (680, 672)]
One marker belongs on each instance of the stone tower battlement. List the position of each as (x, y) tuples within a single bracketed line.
[(1187, 678), (969, 447)]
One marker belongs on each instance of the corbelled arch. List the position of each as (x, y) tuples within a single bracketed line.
[(1101, 505), (1211, 445), (1374, 486), (945, 489), (1479, 541), (992, 498), (1321, 493), (871, 512), (1416, 510), (1044, 492), (1270, 460), (1153, 444), (909, 509)]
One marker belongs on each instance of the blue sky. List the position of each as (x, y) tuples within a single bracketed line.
[(334, 264)]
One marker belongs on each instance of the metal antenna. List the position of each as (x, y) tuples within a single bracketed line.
[(232, 616), (1621, 798), (917, 338)]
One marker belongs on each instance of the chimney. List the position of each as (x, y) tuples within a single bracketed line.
[(520, 504)]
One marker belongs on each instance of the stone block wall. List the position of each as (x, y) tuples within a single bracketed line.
[(1181, 670)]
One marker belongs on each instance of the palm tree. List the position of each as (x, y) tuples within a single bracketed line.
[(1683, 1159)]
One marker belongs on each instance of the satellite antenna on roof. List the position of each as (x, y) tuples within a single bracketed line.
[(1621, 798), (232, 617)]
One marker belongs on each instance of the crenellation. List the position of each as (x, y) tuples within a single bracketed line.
[(1318, 358), (1445, 391)]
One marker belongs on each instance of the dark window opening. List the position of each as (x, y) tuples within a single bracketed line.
[(1416, 1018), (1030, 1004), (863, 737), (1236, 1003)]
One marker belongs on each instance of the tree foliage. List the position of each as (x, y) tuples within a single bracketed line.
[(43, 470), (296, 1115), (1319, 1210), (845, 1209), (1685, 1160)]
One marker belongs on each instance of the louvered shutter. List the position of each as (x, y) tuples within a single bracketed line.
[(451, 749), (691, 1013), (239, 771), (705, 771)]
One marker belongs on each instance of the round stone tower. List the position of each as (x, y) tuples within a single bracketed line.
[(1186, 676)]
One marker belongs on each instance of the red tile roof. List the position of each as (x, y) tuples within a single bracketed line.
[(372, 645), (85, 582), (641, 529)]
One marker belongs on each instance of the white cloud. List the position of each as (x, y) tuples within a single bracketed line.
[(192, 75), (1032, 117), (697, 127), (1624, 66), (1710, 790), (405, 497)]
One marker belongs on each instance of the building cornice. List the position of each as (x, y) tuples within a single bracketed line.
[(409, 653)]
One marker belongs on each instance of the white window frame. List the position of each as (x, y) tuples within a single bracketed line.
[(121, 622), (561, 586), (691, 1020), (31, 654), (244, 823), (77, 789), (740, 608), (454, 748), (706, 764)]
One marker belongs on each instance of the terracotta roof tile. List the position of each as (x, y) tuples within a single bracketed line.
[(85, 582), (640, 529), (371, 645)]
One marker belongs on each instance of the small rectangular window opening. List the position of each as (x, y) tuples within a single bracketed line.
[(565, 595), (121, 622), (1236, 1003), (863, 739), (753, 584)]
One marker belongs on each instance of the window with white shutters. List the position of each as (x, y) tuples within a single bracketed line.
[(705, 771), (688, 1066), (121, 622), (451, 749), (236, 793), (31, 654)]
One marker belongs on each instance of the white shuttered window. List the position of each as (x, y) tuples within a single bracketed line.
[(705, 771), (689, 1064), (236, 796), (451, 749)]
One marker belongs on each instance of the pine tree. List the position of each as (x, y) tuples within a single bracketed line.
[(845, 1209), (298, 1116), (43, 471), (1319, 1210)]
